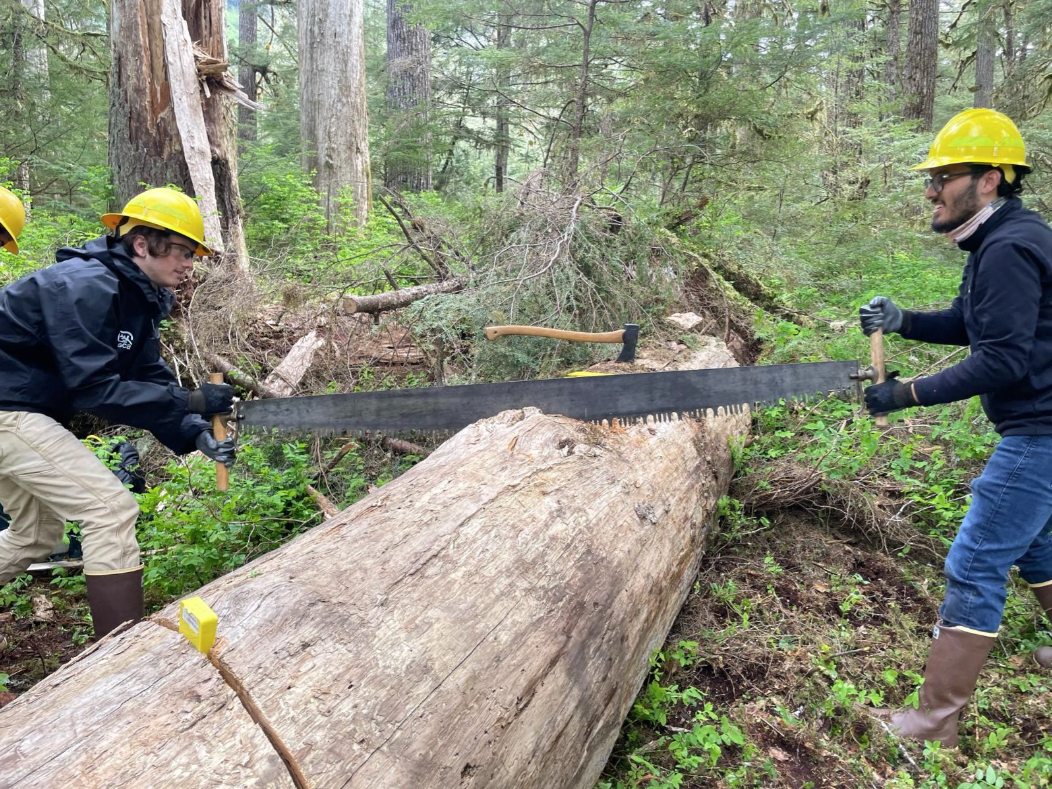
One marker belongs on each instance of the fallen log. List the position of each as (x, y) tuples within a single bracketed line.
[(395, 299), (484, 620), (284, 378)]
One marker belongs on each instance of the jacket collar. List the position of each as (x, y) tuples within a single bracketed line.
[(975, 240), (111, 253)]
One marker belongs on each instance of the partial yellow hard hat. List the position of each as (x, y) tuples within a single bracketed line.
[(163, 208), (978, 136), (12, 218)]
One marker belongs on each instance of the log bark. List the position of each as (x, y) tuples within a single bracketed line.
[(484, 620), (284, 378), (395, 299)]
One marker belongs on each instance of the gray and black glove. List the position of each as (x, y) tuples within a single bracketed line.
[(891, 395), (211, 399), (880, 313), (219, 451)]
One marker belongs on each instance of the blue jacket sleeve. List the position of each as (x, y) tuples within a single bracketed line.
[(81, 331), (1006, 296)]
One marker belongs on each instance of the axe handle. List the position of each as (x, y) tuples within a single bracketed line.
[(876, 358), (219, 431), (493, 332)]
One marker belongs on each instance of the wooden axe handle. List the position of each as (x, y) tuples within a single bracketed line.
[(876, 358), (493, 332), (219, 431)]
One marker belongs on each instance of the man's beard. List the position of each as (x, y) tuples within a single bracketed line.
[(967, 206)]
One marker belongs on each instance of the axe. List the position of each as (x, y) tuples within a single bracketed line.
[(628, 335)]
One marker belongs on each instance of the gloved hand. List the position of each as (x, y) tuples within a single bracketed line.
[(211, 399), (880, 313), (889, 396), (219, 451)]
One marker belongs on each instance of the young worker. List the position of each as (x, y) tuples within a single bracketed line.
[(83, 335), (1003, 311)]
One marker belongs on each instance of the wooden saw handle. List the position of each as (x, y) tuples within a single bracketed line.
[(493, 332), (876, 358), (219, 431)]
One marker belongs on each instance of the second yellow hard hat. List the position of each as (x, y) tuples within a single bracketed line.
[(12, 218)]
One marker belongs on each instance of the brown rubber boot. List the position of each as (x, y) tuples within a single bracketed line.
[(954, 663), (114, 598)]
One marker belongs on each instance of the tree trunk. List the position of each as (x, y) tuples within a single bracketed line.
[(581, 100), (144, 142), (164, 129), (1009, 38), (984, 59), (922, 54), (408, 165), (334, 118), (247, 15), (30, 67), (206, 22), (892, 50), (484, 620), (502, 137)]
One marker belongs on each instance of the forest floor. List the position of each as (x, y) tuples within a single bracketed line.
[(793, 632)]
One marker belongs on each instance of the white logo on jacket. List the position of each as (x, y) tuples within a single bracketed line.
[(125, 340)]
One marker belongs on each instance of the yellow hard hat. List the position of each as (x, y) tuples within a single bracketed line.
[(162, 208), (978, 136), (12, 218)]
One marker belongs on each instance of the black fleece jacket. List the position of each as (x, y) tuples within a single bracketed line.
[(83, 335), (1003, 311)]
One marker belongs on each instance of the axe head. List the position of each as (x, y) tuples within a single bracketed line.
[(628, 350)]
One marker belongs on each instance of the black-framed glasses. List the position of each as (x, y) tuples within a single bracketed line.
[(938, 181)]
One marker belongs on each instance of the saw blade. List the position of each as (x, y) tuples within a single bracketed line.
[(627, 397)]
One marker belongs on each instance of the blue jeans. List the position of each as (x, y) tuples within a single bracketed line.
[(1008, 523)]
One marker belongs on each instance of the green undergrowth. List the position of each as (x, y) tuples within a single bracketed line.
[(805, 614)]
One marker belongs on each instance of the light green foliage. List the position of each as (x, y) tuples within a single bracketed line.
[(190, 533), (15, 597)]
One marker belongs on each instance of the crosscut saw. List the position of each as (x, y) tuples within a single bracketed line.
[(629, 398)]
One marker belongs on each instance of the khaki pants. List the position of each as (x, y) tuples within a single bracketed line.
[(48, 477)]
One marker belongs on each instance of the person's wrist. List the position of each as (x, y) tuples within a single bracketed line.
[(196, 401)]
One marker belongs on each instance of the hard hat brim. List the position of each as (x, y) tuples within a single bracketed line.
[(12, 247), (941, 161)]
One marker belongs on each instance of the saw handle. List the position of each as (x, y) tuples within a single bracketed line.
[(219, 431), (493, 332), (876, 358)]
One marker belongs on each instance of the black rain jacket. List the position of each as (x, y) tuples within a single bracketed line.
[(84, 335), (1003, 311)]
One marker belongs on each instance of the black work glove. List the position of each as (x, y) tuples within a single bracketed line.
[(211, 399), (889, 396), (880, 313), (219, 451)]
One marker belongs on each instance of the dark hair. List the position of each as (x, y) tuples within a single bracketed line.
[(1004, 189), (157, 240)]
